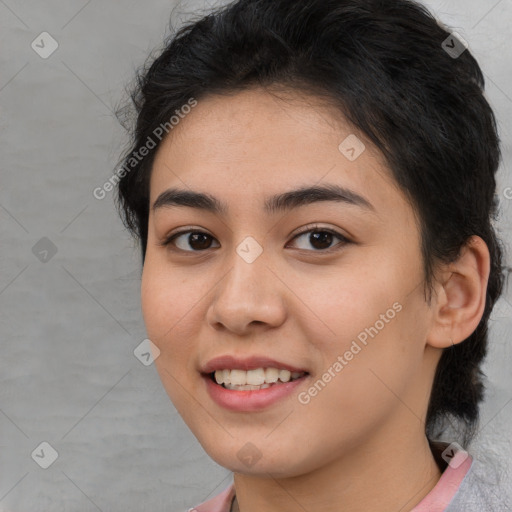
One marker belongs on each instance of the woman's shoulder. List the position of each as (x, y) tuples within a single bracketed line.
[(484, 487)]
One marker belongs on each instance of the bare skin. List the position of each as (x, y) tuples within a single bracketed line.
[(359, 444)]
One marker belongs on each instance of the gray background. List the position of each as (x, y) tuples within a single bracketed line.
[(69, 325)]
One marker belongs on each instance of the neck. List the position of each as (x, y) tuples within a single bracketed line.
[(390, 477)]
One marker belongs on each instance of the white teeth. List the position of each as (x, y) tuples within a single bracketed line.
[(285, 375), (271, 375), (238, 377), (256, 378), (247, 387)]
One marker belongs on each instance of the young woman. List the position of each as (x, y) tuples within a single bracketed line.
[(312, 183)]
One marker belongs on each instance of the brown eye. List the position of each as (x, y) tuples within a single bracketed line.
[(321, 239), (197, 240)]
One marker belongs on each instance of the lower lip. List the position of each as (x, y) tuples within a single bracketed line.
[(254, 400)]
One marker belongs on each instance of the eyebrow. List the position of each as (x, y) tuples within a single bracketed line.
[(278, 203)]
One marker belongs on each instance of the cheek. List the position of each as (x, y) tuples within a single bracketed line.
[(370, 337), (173, 308), (163, 307), (163, 299), (161, 313), (342, 305), (361, 386), (154, 300)]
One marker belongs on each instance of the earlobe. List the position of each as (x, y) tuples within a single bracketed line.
[(461, 296)]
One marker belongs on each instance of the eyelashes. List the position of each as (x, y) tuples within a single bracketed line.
[(201, 237)]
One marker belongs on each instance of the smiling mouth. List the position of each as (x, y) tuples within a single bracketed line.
[(253, 380)]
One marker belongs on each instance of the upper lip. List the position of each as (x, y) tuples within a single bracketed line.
[(229, 362)]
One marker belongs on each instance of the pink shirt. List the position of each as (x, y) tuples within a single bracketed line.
[(436, 500)]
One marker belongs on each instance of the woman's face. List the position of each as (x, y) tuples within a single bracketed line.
[(331, 287)]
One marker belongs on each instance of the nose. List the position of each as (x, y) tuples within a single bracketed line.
[(249, 295)]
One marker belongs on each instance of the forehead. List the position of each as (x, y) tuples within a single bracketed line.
[(254, 143)]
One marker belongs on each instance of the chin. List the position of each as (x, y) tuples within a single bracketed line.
[(249, 458)]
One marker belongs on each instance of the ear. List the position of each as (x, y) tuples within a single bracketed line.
[(461, 294)]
